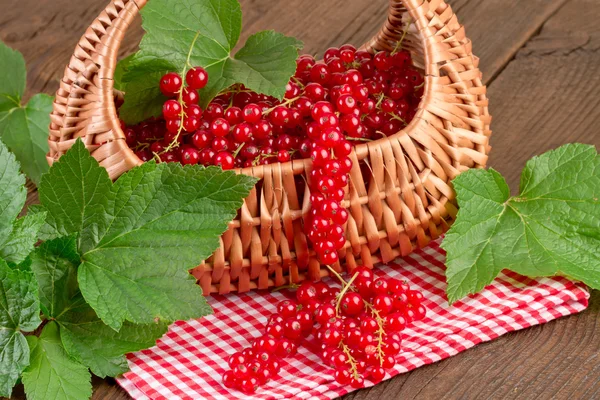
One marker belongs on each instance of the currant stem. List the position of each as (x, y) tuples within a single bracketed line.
[(285, 103), (404, 32), (175, 141), (346, 287), (380, 330), (237, 151), (351, 360), (334, 272)]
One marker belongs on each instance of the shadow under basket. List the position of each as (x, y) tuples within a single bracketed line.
[(405, 201)]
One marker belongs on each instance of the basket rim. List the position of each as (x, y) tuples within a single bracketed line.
[(361, 150)]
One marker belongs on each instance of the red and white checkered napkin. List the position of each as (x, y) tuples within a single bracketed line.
[(187, 363)]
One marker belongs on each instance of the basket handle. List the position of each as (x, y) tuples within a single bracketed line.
[(84, 104)]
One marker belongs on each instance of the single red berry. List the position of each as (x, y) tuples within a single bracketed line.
[(380, 286), (196, 78), (292, 329), (287, 309), (193, 110), (241, 133), (305, 292), (330, 53), (201, 139), (173, 125), (214, 111), (191, 124), (190, 96), (383, 304), (352, 303), (219, 127), (342, 376), (286, 348), (234, 115), (319, 73), (224, 160), (171, 109), (395, 322), (376, 374), (391, 347), (321, 108), (190, 156), (170, 84), (314, 91), (357, 382), (229, 380), (144, 155), (252, 113), (220, 144), (325, 313)]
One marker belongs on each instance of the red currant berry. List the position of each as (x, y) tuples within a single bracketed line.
[(380, 286), (252, 113), (214, 111), (224, 160), (352, 303), (325, 313), (190, 156), (383, 304), (191, 124), (219, 127), (170, 84), (292, 329), (196, 78), (229, 379), (305, 292), (144, 155), (190, 96), (171, 109), (287, 309)]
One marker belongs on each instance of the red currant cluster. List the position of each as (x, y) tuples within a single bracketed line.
[(182, 115), (356, 328), (349, 96)]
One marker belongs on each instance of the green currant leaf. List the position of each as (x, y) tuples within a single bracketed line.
[(75, 193), (120, 70), (203, 33), (551, 228), (52, 374), (156, 222), (13, 193), (22, 239), (19, 312), (23, 128), (54, 264), (12, 79), (95, 344)]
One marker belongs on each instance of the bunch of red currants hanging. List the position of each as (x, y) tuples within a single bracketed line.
[(349, 97), (355, 327)]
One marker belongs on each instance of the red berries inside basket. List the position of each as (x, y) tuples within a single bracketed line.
[(355, 329), (350, 97)]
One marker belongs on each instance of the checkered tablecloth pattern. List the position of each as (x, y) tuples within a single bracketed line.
[(187, 363)]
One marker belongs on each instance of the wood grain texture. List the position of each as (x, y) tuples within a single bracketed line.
[(541, 60)]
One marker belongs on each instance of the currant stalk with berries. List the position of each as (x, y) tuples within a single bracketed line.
[(355, 328)]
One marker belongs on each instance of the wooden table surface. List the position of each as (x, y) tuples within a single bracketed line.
[(541, 61)]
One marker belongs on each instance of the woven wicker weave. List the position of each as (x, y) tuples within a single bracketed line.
[(404, 202)]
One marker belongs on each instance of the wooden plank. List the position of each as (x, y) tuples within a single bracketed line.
[(499, 28), (548, 95)]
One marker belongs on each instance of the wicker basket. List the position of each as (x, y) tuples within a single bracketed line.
[(405, 202)]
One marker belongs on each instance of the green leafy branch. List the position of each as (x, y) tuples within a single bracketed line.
[(551, 228), (23, 128), (202, 33), (113, 270)]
